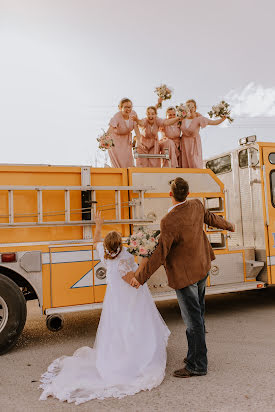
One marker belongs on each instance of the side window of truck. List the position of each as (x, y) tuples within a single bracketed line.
[(243, 157), (272, 187), (220, 165), (271, 158)]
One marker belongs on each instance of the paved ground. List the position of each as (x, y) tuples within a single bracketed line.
[(241, 345)]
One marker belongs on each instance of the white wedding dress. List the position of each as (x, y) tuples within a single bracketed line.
[(129, 354)]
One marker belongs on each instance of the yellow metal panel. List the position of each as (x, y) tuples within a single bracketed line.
[(269, 210), (25, 202), (99, 293), (64, 276), (46, 287)]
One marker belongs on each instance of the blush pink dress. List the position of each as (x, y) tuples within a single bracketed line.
[(191, 141), (121, 155), (149, 142), (172, 141)]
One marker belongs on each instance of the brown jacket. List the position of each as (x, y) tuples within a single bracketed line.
[(183, 247)]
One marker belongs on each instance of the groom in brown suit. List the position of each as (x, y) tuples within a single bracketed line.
[(186, 254)]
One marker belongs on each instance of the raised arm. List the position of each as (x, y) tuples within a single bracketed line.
[(140, 122), (138, 136), (98, 226), (217, 221), (159, 103), (168, 122), (216, 122)]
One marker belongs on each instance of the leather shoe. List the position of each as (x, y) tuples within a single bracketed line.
[(183, 373)]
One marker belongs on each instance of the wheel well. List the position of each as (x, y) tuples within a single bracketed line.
[(27, 289)]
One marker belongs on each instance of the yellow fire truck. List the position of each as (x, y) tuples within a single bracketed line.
[(46, 225)]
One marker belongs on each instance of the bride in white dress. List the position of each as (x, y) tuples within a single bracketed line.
[(129, 354)]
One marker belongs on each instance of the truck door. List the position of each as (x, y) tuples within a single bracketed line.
[(269, 194), (71, 275)]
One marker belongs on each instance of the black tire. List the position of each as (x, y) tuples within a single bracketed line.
[(13, 313)]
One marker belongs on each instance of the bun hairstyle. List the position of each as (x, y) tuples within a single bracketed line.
[(192, 101), (112, 245), (179, 189), (122, 101), (151, 107)]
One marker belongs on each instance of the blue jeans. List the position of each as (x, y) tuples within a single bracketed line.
[(192, 306)]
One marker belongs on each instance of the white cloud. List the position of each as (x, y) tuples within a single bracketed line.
[(252, 101)]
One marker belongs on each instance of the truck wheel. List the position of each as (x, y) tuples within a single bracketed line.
[(13, 313)]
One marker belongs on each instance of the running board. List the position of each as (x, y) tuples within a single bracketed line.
[(215, 290), (234, 287), (210, 290)]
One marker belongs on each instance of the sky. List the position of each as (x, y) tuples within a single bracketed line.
[(66, 64)]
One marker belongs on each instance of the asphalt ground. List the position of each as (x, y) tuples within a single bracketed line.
[(241, 348)]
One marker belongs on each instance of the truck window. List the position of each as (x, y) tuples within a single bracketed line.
[(271, 158), (220, 165), (243, 157), (272, 187)]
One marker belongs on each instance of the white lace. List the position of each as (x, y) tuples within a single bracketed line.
[(128, 365)]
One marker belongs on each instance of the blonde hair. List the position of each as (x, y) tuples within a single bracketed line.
[(122, 101), (170, 108), (151, 107), (192, 101), (112, 245)]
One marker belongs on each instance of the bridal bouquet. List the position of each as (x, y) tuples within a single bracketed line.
[(221, 110), (143, 242), (105, 141), (182, 110), (163, 92)]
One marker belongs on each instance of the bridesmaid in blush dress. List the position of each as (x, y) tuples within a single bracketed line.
[(148, 143), (121, 126), (191, 140), (171, 140)]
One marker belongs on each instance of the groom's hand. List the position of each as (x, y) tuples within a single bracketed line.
[(128, 277), (135, 283)]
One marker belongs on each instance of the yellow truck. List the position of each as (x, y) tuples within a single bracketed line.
[(46, 229)]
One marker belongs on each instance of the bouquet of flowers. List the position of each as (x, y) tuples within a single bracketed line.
[(221, 110), (105, 141), (182, 111), (163, 92), (143, 242)]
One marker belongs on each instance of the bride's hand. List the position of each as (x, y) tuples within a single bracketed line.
[(98, 219), (128, 277), (135, 283)]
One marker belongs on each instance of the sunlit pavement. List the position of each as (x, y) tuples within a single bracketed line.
[(241, 347)]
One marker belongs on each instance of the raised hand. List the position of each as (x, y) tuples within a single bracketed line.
[(98, 219), (159, 103)]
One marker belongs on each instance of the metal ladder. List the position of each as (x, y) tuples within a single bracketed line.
[(136, 204)]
